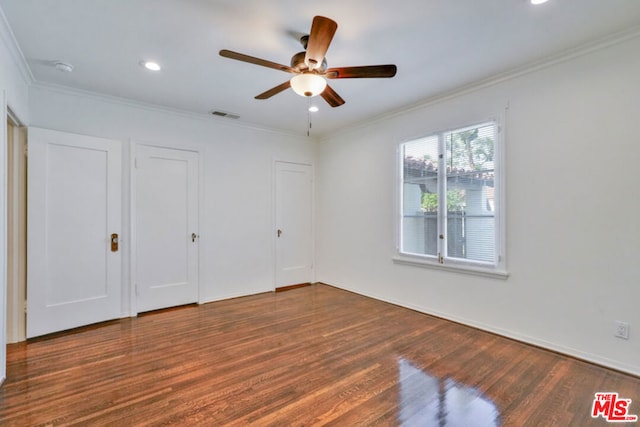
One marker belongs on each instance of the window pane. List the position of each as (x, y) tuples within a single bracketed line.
[(470, 193), (420, 197)]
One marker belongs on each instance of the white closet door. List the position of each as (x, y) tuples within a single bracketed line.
[(74, 208), (166, 227), (294, 218)]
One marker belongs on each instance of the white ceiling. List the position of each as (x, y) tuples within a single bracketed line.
[(438, 46)]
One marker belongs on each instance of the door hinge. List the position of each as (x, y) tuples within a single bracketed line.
[(26, 150), (440, 258), (25, 307), (136, 288)]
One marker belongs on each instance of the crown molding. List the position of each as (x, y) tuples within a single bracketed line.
[(100, 97), (531, 67), (9, 40)]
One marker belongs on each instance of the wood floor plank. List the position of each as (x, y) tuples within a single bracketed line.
[(314, 355)]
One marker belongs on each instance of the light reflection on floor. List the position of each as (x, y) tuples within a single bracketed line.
[(426, 400)]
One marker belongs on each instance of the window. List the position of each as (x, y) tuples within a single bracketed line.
[(450, 210)]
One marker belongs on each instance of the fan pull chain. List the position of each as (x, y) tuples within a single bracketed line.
[(308, 116)]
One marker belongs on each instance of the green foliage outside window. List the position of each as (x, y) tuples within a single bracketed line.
[(455, 201), (470, 150)]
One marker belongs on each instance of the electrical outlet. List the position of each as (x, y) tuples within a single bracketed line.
[(622, 330)]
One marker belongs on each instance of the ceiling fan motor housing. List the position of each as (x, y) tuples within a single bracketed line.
[(297, 62)]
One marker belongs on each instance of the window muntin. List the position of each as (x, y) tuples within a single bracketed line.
[(449, 197)]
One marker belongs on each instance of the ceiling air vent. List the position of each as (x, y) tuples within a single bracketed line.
[(225, 114)]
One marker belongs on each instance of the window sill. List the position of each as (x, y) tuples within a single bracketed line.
[(465, 269)]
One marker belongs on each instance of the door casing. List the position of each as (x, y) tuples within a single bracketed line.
[(16, 230)]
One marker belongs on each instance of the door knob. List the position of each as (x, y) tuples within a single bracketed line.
[(114, 242), (279, 232), (194, 236)]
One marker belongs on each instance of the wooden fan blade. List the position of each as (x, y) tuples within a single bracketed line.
[(257, 61), (332, 97), (363, 72), (322, 31), (274, 91)]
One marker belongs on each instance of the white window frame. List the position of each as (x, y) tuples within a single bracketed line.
[(496, 269)]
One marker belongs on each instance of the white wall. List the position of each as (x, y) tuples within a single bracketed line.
[(3, 235), (13, 93), (236, 224), (14, 79), (573, 239)]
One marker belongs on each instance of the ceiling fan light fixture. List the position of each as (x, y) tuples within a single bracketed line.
[(308, 84)]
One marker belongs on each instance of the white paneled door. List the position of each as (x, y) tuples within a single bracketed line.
[(294, 231), (74, 223), (166, 227)]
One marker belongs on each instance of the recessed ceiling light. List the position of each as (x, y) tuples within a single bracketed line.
[(150, 65), (313, 109), (538, 1)]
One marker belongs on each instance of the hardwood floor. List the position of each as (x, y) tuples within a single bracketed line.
[(310, 356)]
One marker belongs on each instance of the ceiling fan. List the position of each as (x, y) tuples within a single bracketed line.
[(310, 66)]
